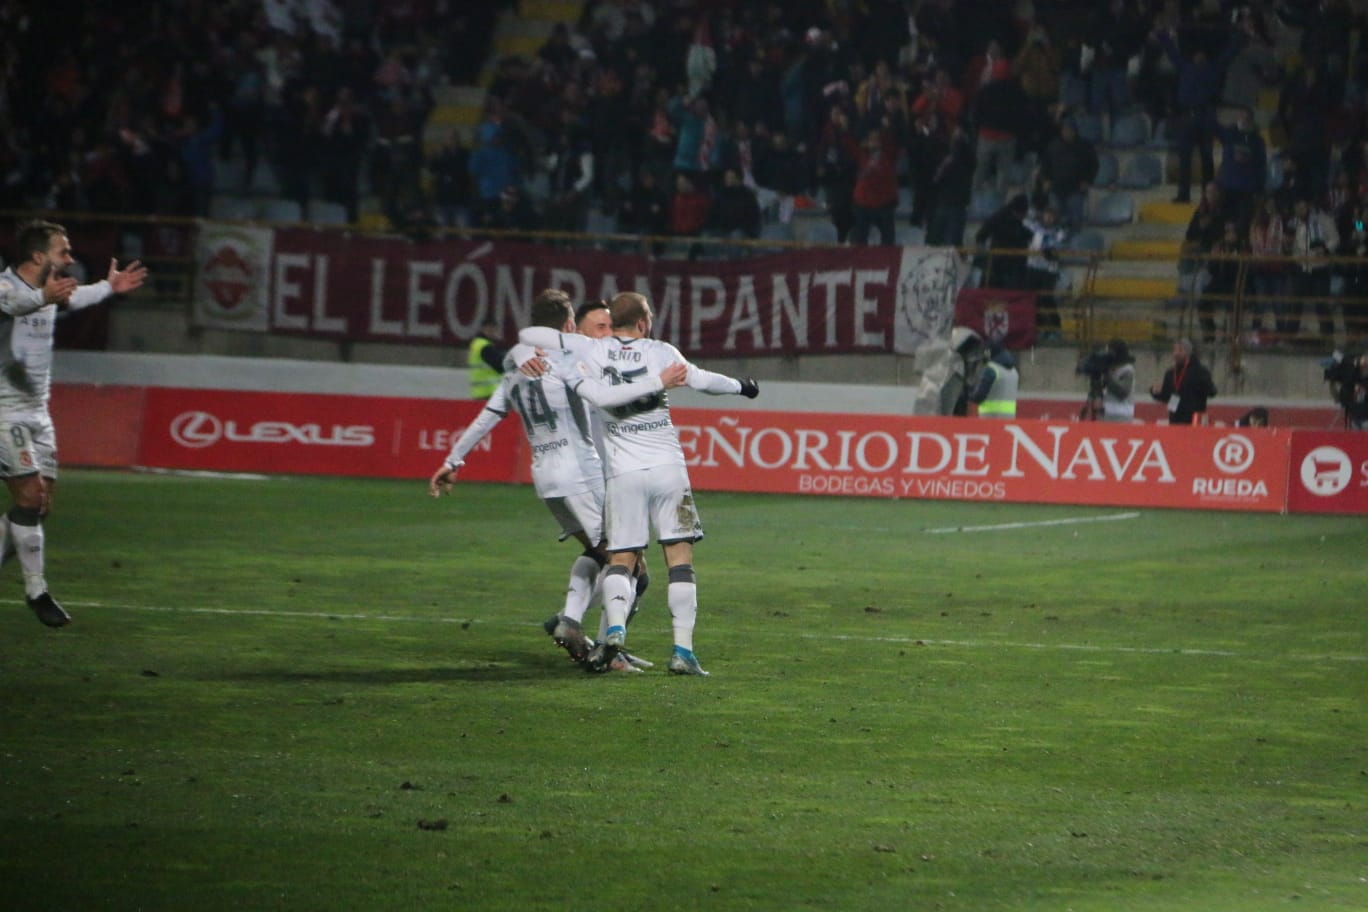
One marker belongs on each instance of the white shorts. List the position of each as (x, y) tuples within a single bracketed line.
[(28, 445), (581, 512), (658, 498)]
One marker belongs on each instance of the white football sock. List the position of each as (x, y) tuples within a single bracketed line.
[(682, 597), (583, 575), (28, 544), (617, 597)]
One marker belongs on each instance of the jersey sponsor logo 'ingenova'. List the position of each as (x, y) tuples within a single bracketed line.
[(196, 430)]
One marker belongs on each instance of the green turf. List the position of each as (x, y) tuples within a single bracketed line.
[(312, 694)]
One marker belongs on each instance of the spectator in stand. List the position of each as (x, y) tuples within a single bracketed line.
[(1116, 34), (196, 140), (1186, 386), (1043, 275), (690, 207), (836, 170), (756, 99), (1313, 237), (880, 97), (646, 210), (452, 192), (570, 161), (1219, 294), (999, 109), (925, 150), (514, 212), (1199, 86), (952, 187), (346, 132), (1038, 67), (1205, 229), (1244, 167), (1254, 66), (1067, 171), (941, 97), (493, 169), (1355, 300), (692, 118), (1006, 230), (735, 212), (1267, 274), (875, 196), (781, 168)]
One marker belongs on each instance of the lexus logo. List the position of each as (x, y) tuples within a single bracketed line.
[(196, 430)]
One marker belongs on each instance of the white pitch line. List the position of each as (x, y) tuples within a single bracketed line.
[(1115, 517), (908, 640)]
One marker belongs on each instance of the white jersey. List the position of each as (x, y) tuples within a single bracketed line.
[(26, 324), (637, 434), (556, 420)]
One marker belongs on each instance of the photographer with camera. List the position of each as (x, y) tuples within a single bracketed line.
[(1348, 379), (1186, 386), (1111, 383)]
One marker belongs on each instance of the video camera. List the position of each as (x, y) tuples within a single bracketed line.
[(1095, 366), (1344, 374)]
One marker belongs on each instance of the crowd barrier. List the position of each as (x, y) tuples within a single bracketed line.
[(1029, 461)]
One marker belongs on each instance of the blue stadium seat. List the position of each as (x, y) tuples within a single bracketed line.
[(1090, 127), (1087, 241), (1130, 130), (983, 204), (821, 232), (1275, 172), (1142, 171), (223, 206), (1111, 210), (280, 210), (1107, 170), (322, 212)]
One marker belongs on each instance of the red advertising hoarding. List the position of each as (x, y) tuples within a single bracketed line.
[(798, 453), (1328, 473)]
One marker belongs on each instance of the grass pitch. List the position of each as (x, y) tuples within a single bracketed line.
[(308, 694)]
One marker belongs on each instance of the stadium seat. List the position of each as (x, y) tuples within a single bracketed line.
[(600, 222), (1130, 130), (1142, 171), (821, 232), (983, 204), (264, 181), (1107, 170), (1088, 241), (1111, 210), (776, 231), (1275, 172), (280, 210), (222, 206), (908, 236), (1159, 139), (322, 212), (1090, 127)]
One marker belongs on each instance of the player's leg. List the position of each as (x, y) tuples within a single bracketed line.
[(579, 518), (628, 528), (28, 457), (676, 520)]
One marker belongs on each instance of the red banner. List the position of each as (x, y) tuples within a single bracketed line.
[(332, 285), (1329, 473), (999, 315)]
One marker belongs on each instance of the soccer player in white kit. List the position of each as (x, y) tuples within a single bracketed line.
[(647, 481), (31, 292), (566, 469)]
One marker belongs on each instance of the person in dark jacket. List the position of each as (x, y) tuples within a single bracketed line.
[(1006, 230), (1199, 87), (1067, 171), (1186, 386), (998, 108), (1244, 167)]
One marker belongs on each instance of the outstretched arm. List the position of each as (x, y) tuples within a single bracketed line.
[(117, 282)]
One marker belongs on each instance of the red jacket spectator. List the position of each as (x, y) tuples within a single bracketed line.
[(876, 181), (690, 208)]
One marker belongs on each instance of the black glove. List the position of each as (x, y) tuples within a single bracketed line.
[(749, 388)]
